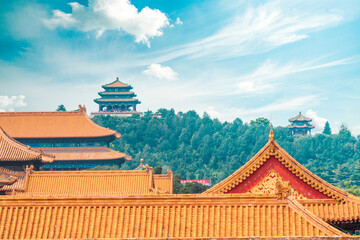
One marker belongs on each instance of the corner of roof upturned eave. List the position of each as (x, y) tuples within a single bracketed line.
[(47, 158), (128, 158)]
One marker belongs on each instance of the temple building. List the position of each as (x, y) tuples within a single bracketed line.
[(76, 141), (117, 100), (270, 197), (300, 125)]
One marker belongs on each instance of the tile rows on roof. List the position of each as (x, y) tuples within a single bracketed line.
[(91, 183), (86, 153), (116, 93), (184, 217), (116, 100), (300, 117), (67, 124), (333, 211), (116, 83), (7, 177), (13, 151)]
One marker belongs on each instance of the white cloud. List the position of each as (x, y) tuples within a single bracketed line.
[(103, 15), (355, 130), (10, 103), (178, 21), (259, 30), (161, 72), (212, 112), (269, 74), (281, 105), (317, 121)]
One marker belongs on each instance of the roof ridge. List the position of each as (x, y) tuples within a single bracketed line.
[(272, 148), (318, 222)]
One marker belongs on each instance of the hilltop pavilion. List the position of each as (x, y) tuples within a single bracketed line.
[(75, 140), (300, 125), (270, 197), (117, 100)]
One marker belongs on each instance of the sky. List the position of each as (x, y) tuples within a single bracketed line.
[(232, 59)]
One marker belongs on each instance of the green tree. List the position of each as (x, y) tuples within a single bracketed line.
[(327, 129), (260, 122), (158, 170), (61, 108)]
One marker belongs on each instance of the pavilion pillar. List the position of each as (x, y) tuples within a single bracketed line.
[(112, 108), (134, 108)]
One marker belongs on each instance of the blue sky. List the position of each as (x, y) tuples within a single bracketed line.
[(243, 59)]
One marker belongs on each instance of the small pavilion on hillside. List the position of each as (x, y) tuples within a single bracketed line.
[(75, 140), (270, 197), (300, 125), (117, 100)]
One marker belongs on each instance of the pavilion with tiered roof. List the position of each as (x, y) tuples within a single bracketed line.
[(117, 99), (300, 125)]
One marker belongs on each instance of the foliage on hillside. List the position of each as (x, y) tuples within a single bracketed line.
[(204, 148)]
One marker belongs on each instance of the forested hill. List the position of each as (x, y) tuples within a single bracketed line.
[(203, 148)]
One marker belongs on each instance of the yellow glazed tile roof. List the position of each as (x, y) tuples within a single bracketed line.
[(158, 217), (272, 149), (89, 183), (59, 124), (12, 151), (164, 182), (334, 211), (6, 177), (85, 153)]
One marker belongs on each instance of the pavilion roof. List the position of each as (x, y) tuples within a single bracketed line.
[(59, 124), (300, 117), (159, 217), (86, 153), (116, 100), (300, 126), (116, 83), (12, 151), (116, 93)]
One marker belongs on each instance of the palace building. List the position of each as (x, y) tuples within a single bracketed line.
[(117, 100), (270, 197), (75, 140), (25, 181), (300, 125)]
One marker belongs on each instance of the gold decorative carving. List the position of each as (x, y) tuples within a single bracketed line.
[(274, 184)]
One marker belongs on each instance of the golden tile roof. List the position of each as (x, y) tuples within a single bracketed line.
[(334, 211), (116, 83), (300, 117), (164, 182), (11, 151), (86, 153), (272, 149), (59, 124), (6, 177), (116, 93), (116, 100), (160, 217), (89, 183)]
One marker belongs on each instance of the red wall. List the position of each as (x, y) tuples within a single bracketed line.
[(272, 163)]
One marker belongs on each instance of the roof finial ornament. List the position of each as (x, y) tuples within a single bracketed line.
[(271, 135), (117, 78), (82, 108)]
